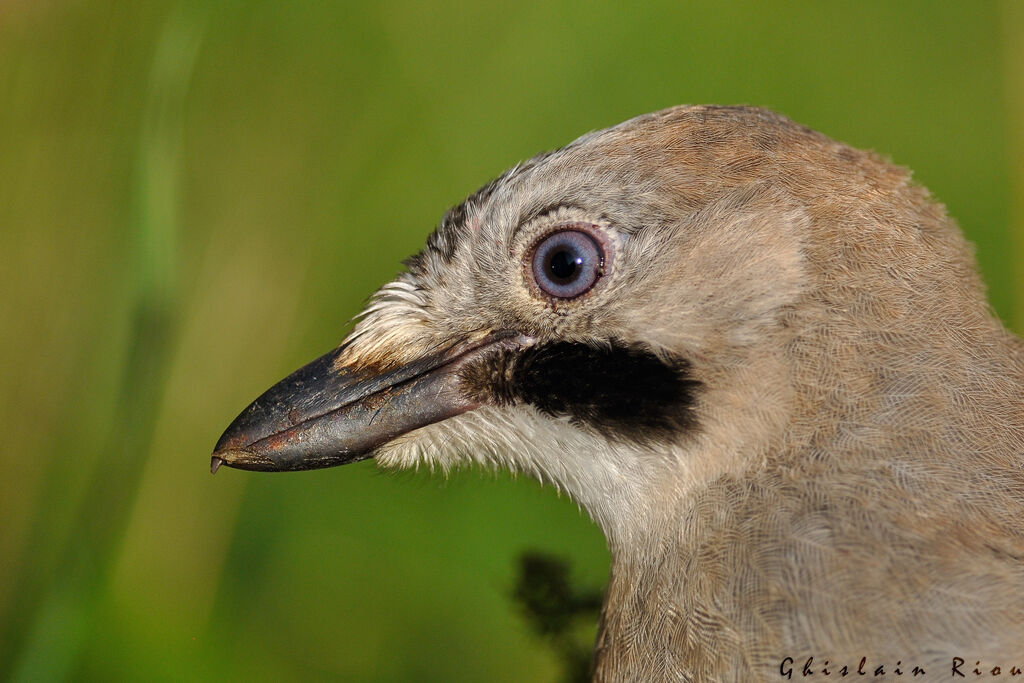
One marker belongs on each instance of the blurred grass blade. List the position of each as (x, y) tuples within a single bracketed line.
[(58, 616)]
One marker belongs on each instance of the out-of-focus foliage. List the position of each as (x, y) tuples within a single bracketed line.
[(195, 198)]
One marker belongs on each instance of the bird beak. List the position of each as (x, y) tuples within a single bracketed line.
[(324, 414)]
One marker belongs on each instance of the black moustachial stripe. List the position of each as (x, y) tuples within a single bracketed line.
[(619, 390)]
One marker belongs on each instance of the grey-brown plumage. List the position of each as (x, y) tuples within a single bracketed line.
[(780, 392)]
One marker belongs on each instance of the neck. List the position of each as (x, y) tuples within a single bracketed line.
[(666, 614)]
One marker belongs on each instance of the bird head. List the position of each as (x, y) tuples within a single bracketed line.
[(624, 318)]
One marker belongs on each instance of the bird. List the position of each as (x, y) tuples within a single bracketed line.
[(762, 361)]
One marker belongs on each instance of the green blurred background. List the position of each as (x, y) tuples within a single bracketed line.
[(196, 197)]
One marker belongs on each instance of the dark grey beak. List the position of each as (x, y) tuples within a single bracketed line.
[(322, 415)]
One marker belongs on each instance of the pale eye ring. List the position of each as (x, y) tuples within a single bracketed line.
[(567, 263)]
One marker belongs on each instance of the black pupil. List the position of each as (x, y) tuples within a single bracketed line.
[(564, 264)]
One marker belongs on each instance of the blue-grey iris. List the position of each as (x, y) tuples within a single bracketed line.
[(567, 263)]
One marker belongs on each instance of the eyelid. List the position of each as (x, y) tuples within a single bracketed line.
[(548, 212)]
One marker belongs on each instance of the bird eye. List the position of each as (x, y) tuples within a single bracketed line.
[(567, 263)]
